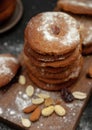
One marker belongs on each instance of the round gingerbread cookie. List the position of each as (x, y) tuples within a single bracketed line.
[(8, 68), (62, 63), (44, 69), (86, 33), (52, 33), (51, 87), (85, 22), (45, 58), (38, 73), (52, 76), (74, 72), (75, 6)]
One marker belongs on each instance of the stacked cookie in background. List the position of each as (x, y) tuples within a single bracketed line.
[(7, 8), (52, 50), (81, 10)]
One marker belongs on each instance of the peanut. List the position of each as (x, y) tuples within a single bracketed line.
[(47, 111), (43, 95), (22, 79), (79, 95), (37, 101), (60, 110), (30, 90), (26, 122)]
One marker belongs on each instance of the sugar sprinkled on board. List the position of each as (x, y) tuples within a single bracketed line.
[(14, 47), (22, 101), (13, 114), (74, 105)]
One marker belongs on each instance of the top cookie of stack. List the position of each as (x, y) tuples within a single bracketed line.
[(52, 50), (80, 9)]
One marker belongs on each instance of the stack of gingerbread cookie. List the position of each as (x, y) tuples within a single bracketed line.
[(82, 11), (52, 50)]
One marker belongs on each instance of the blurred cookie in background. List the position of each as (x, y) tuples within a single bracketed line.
[(81, 10), (9, 66), (86, 32), (7, 8), (75, 6)]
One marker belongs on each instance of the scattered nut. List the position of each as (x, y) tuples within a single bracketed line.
[(60, 110), (79, 95), (22, 79), (49, 101), (57, 102), (26, 122), (47, 111), (38, 101), (29, 109), (36, 114), (43, 95), (30, 90), (89, 73)]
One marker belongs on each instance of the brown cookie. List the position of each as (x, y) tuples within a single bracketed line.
[(45, 69), (62, 80), (75, 6), (71, 73), (85, 23), (38, 73), (52, 33), (51, 87), (8, 68), (86, 33), (51, 77), (63, 63), (46, 58), (51, 70), (6, 9), (41, 72)]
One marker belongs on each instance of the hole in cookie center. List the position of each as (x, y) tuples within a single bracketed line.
[(55, 30)]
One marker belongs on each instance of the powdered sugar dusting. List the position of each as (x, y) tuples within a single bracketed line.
[(12, 114), (22, 101), (49, 19), (4, 68), (87, 3)]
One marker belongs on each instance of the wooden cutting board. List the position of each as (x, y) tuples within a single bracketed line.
[(14, 99)]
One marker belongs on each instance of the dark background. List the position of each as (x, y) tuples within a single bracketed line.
[(12, 41)]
